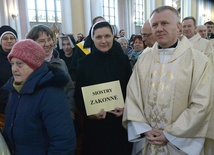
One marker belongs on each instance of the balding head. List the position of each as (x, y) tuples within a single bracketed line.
[(146, 33), (202, 30)]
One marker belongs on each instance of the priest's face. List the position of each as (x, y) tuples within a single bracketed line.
[(202, 30), (165, 27), (103, 39), (188, 28)]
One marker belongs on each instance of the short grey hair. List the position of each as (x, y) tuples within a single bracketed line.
[(122, 39), (165, 7)]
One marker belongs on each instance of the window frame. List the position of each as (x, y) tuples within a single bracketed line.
[(138, 12), (108, 14), (36, 9)]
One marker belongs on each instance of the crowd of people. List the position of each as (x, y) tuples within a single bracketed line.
[(165, 75)]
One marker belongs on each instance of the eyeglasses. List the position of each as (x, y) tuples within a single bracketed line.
[(8, 38), (144, 35), (44, 41)]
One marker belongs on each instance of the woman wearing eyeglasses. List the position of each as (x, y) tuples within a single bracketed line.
[(8, 37), (44, 37)]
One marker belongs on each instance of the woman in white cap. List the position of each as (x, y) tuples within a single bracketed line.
[(36, 121), (8, 38)]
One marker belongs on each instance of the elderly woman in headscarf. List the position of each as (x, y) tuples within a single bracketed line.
[(37, 116)]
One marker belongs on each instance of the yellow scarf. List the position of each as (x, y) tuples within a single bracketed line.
[(18, 87)]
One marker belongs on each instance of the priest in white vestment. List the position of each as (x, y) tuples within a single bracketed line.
[(199, 43), (169, 107)]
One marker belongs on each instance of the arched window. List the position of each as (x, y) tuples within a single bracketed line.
[(44, 11), (109, 11)]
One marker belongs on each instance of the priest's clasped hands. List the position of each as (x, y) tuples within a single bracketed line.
[(156, 137)]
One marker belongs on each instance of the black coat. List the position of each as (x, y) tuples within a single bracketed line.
[(5, 75), (78, 54), (68, 62), (107, 136)]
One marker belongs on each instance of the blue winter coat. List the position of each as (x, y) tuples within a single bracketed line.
[(38, 119)]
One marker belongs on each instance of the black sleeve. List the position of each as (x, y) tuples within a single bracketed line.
[(78, 53), (78, 92)]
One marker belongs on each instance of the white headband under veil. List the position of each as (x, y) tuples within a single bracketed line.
[(69, 39), (92, 29)]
